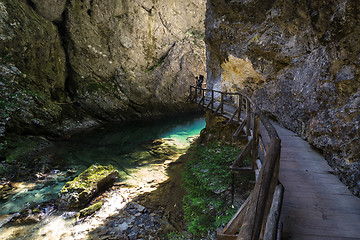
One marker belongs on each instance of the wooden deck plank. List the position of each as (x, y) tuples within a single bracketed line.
[(304, 236), (321, 227), (316, 204)]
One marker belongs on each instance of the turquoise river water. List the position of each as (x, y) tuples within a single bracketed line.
[(121, 145)]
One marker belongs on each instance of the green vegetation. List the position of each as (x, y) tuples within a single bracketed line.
[(89, 179), (89, 210), (207, 181), (195, 34), (79, 192)]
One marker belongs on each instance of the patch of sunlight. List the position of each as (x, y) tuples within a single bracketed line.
[(55, 228), (183, 133), (240, 74)]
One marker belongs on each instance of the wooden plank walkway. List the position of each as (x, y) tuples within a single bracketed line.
[(316, 205)]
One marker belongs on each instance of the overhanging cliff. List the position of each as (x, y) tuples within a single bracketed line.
[(300, 60)]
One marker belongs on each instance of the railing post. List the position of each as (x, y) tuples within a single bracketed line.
[(248, 117), (212, 99), (203, 96), (239, 112), (222, 103), (191, 96), (255, 147)]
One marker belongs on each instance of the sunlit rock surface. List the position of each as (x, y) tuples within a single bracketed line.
[(79, 192), (308, 53)]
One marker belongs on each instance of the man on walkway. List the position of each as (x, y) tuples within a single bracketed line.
[(199, 82)]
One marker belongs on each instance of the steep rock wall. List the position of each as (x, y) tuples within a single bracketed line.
[(68, 63), (32, 69), (308, 53), (133, 58)]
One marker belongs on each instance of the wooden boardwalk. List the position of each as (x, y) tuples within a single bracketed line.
[(316, 205)]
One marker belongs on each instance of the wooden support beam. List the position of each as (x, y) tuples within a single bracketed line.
[(257, 172), (222, 103), (212, 99), (255, 134), (234, 224), (262, 147), (248, 117), (222, 236), (240, 128), (256, 212), (202, 93), (233, 115), (242, 169), (244, 153), (258, 164), (264, 136), (208, 106), (217, 109), (274, 214), (240, 103)]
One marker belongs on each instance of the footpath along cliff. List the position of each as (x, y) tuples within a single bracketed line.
[(300, 62)]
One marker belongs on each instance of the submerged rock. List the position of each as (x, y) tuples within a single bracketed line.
[(79, 192)]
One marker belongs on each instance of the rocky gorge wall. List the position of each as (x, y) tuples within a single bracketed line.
[(300, 61), (66, 64)]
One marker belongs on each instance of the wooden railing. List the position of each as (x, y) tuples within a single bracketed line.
[(258, 217)]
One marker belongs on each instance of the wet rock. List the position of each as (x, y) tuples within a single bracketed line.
[(33, 214), (79, 192), (161, 148), (89, 210), (5, 190), (30, 219)]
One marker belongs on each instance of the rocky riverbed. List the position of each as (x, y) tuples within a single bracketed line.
[(142, 206)]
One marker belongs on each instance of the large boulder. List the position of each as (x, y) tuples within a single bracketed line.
[(79, 192)]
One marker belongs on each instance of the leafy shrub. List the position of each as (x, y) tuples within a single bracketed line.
[(207, 181)]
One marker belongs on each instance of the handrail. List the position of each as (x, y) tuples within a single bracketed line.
[(258, 217)]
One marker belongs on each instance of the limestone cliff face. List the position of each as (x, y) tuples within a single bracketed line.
[(69, 62), (32, 68), (133, 58), (308, 54)]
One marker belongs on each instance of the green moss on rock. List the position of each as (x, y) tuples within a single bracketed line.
[(89, 210), (79, 192)]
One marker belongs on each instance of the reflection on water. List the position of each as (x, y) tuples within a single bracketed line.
[(121, 145)]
